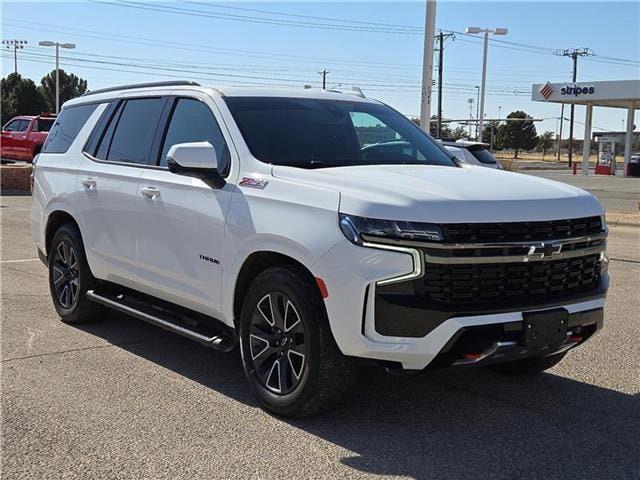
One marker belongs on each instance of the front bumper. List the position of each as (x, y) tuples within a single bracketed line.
[(351, 274)]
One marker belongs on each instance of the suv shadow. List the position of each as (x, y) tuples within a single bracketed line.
[(465, 423)]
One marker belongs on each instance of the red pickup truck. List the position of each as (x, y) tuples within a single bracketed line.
[(22, 137)]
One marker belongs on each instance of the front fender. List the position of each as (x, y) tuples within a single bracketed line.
[(298, 221)]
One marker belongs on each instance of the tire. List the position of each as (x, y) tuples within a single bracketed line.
[(528, 366), (70, 277), (307, 373)]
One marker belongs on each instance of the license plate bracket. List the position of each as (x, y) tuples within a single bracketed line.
[(544, 328)]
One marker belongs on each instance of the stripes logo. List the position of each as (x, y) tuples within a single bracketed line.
[(546, 90)]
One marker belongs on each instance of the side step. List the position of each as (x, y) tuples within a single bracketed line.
[(220, 342)]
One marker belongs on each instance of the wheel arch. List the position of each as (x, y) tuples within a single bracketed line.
[(55, 220), (256, 263)]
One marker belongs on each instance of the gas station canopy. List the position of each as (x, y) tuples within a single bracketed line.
[(614, 94)]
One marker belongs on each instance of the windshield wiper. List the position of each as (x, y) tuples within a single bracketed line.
[(316, 164)]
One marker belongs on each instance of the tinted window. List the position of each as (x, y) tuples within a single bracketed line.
[(66, 128), (105, 140), (192, 121), (24, 125), (43, 124), (483, 155), (313, 133), (131, 142), (12, 126)]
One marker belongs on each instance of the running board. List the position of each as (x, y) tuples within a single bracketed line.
[(219, 342)]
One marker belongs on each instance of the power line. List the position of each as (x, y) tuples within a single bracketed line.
[(245, 18), (271, 12)]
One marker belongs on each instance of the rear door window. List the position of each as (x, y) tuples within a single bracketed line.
[(65, 130), (24, 125), (131, 131)]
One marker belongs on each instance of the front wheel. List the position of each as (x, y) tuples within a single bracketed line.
[(289, 355)]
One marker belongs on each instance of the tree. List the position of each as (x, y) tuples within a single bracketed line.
[(445, 130), (545, 142), (519, 135), (20, 96), (71, 86), (458, 133)]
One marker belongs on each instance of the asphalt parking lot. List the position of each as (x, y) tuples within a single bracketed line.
[(122, 399)]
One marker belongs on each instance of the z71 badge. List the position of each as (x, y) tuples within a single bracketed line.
[(253, 182)]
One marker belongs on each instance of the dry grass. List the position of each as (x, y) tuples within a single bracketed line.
[(537, 157), (623, 218), (509, 164)]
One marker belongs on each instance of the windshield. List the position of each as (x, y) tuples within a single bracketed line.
[(315, 133)]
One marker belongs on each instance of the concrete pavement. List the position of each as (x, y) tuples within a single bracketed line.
[(122, 399)]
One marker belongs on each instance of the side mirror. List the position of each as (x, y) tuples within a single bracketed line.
[(195, 159)]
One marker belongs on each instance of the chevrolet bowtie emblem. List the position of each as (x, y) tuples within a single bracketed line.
[(544, 249)]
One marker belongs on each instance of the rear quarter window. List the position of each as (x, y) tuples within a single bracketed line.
[(66, 128), (43, 124)]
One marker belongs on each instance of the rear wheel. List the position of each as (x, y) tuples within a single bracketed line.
[(288, 352), (528, 366), (70, 277)]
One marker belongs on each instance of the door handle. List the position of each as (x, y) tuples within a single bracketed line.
[(150, 192), (89, 183)]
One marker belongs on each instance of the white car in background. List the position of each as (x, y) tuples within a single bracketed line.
[(474, 153)]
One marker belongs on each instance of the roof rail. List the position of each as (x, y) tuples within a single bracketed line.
[(355, 91), (170, 83)]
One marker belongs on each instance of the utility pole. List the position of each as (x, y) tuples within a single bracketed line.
[(324, 78), (441, 39), (427, 65), (574, 53), (15, 44)]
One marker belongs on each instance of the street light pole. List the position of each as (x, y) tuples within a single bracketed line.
[(58, 45), (486, 31)]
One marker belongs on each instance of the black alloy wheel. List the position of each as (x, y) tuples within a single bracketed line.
[(66, 274), (278, 343), (70, 277)]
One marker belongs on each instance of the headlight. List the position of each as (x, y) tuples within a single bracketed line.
[(603, 222), (361, 229)]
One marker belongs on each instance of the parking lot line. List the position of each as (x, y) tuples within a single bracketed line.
[(19, 260)]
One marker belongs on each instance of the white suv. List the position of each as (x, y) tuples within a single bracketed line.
[(269, 220)]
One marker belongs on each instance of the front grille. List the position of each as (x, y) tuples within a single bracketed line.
[(509, 283), (520, 231)]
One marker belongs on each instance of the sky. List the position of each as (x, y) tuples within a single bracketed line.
[(375, 45)]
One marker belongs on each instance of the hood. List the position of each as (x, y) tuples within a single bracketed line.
[(446, 194)]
